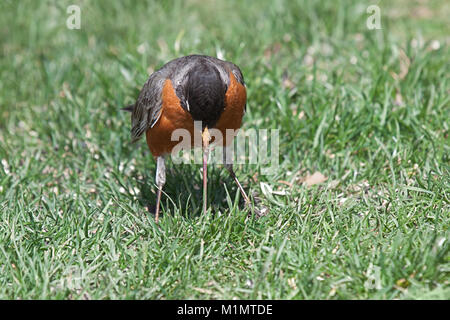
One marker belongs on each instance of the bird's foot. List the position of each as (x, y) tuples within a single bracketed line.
[(258, 209), (151, 208)]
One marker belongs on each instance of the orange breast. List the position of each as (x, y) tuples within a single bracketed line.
[(173, 117), (231, 117)]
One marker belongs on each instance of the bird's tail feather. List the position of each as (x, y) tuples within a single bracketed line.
[(128, 108)]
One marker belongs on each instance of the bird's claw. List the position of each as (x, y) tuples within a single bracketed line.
[(259, 211)]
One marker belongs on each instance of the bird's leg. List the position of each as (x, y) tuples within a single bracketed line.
[(160, 181), (205, 139), (229, 166), (233, 175)]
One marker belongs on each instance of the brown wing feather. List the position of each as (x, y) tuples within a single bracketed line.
[(148, 105)]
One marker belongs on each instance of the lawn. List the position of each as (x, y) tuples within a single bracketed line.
[(367, 109)]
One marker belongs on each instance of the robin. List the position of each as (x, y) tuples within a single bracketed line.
[(184, 92)]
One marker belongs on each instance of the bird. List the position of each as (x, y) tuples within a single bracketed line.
[(185, 92)]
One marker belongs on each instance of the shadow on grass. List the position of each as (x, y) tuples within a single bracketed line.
[(183, 190)]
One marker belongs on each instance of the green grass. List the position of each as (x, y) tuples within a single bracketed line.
[(367, 108)]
